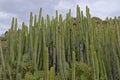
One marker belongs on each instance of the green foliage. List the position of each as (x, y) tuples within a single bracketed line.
[(2, 38), (83, 71)]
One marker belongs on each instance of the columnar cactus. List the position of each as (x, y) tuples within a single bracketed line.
[(57, 44), (73, 65)]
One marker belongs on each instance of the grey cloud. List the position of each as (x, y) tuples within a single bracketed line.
[(103, 8), (22, 8)]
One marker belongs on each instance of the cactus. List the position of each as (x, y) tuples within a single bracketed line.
[(73, 65), (52, 73), (59, 45), (45, 54), (3, 62), (19, 56)]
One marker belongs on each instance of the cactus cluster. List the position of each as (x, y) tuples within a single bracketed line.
[(61, 49)]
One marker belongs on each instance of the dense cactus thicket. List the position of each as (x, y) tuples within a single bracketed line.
[(56, 49)]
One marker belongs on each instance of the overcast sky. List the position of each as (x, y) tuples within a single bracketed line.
[(21, 9)]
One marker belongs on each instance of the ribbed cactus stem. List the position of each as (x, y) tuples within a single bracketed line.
[(94, 61), (11, 46), (60, 65), (19, 55), (40, 16), (2, 62), (52, 73), (73, 65), (46, 66), (36, 35), (31, 37)]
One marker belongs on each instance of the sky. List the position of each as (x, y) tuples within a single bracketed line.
[(21, 9)]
